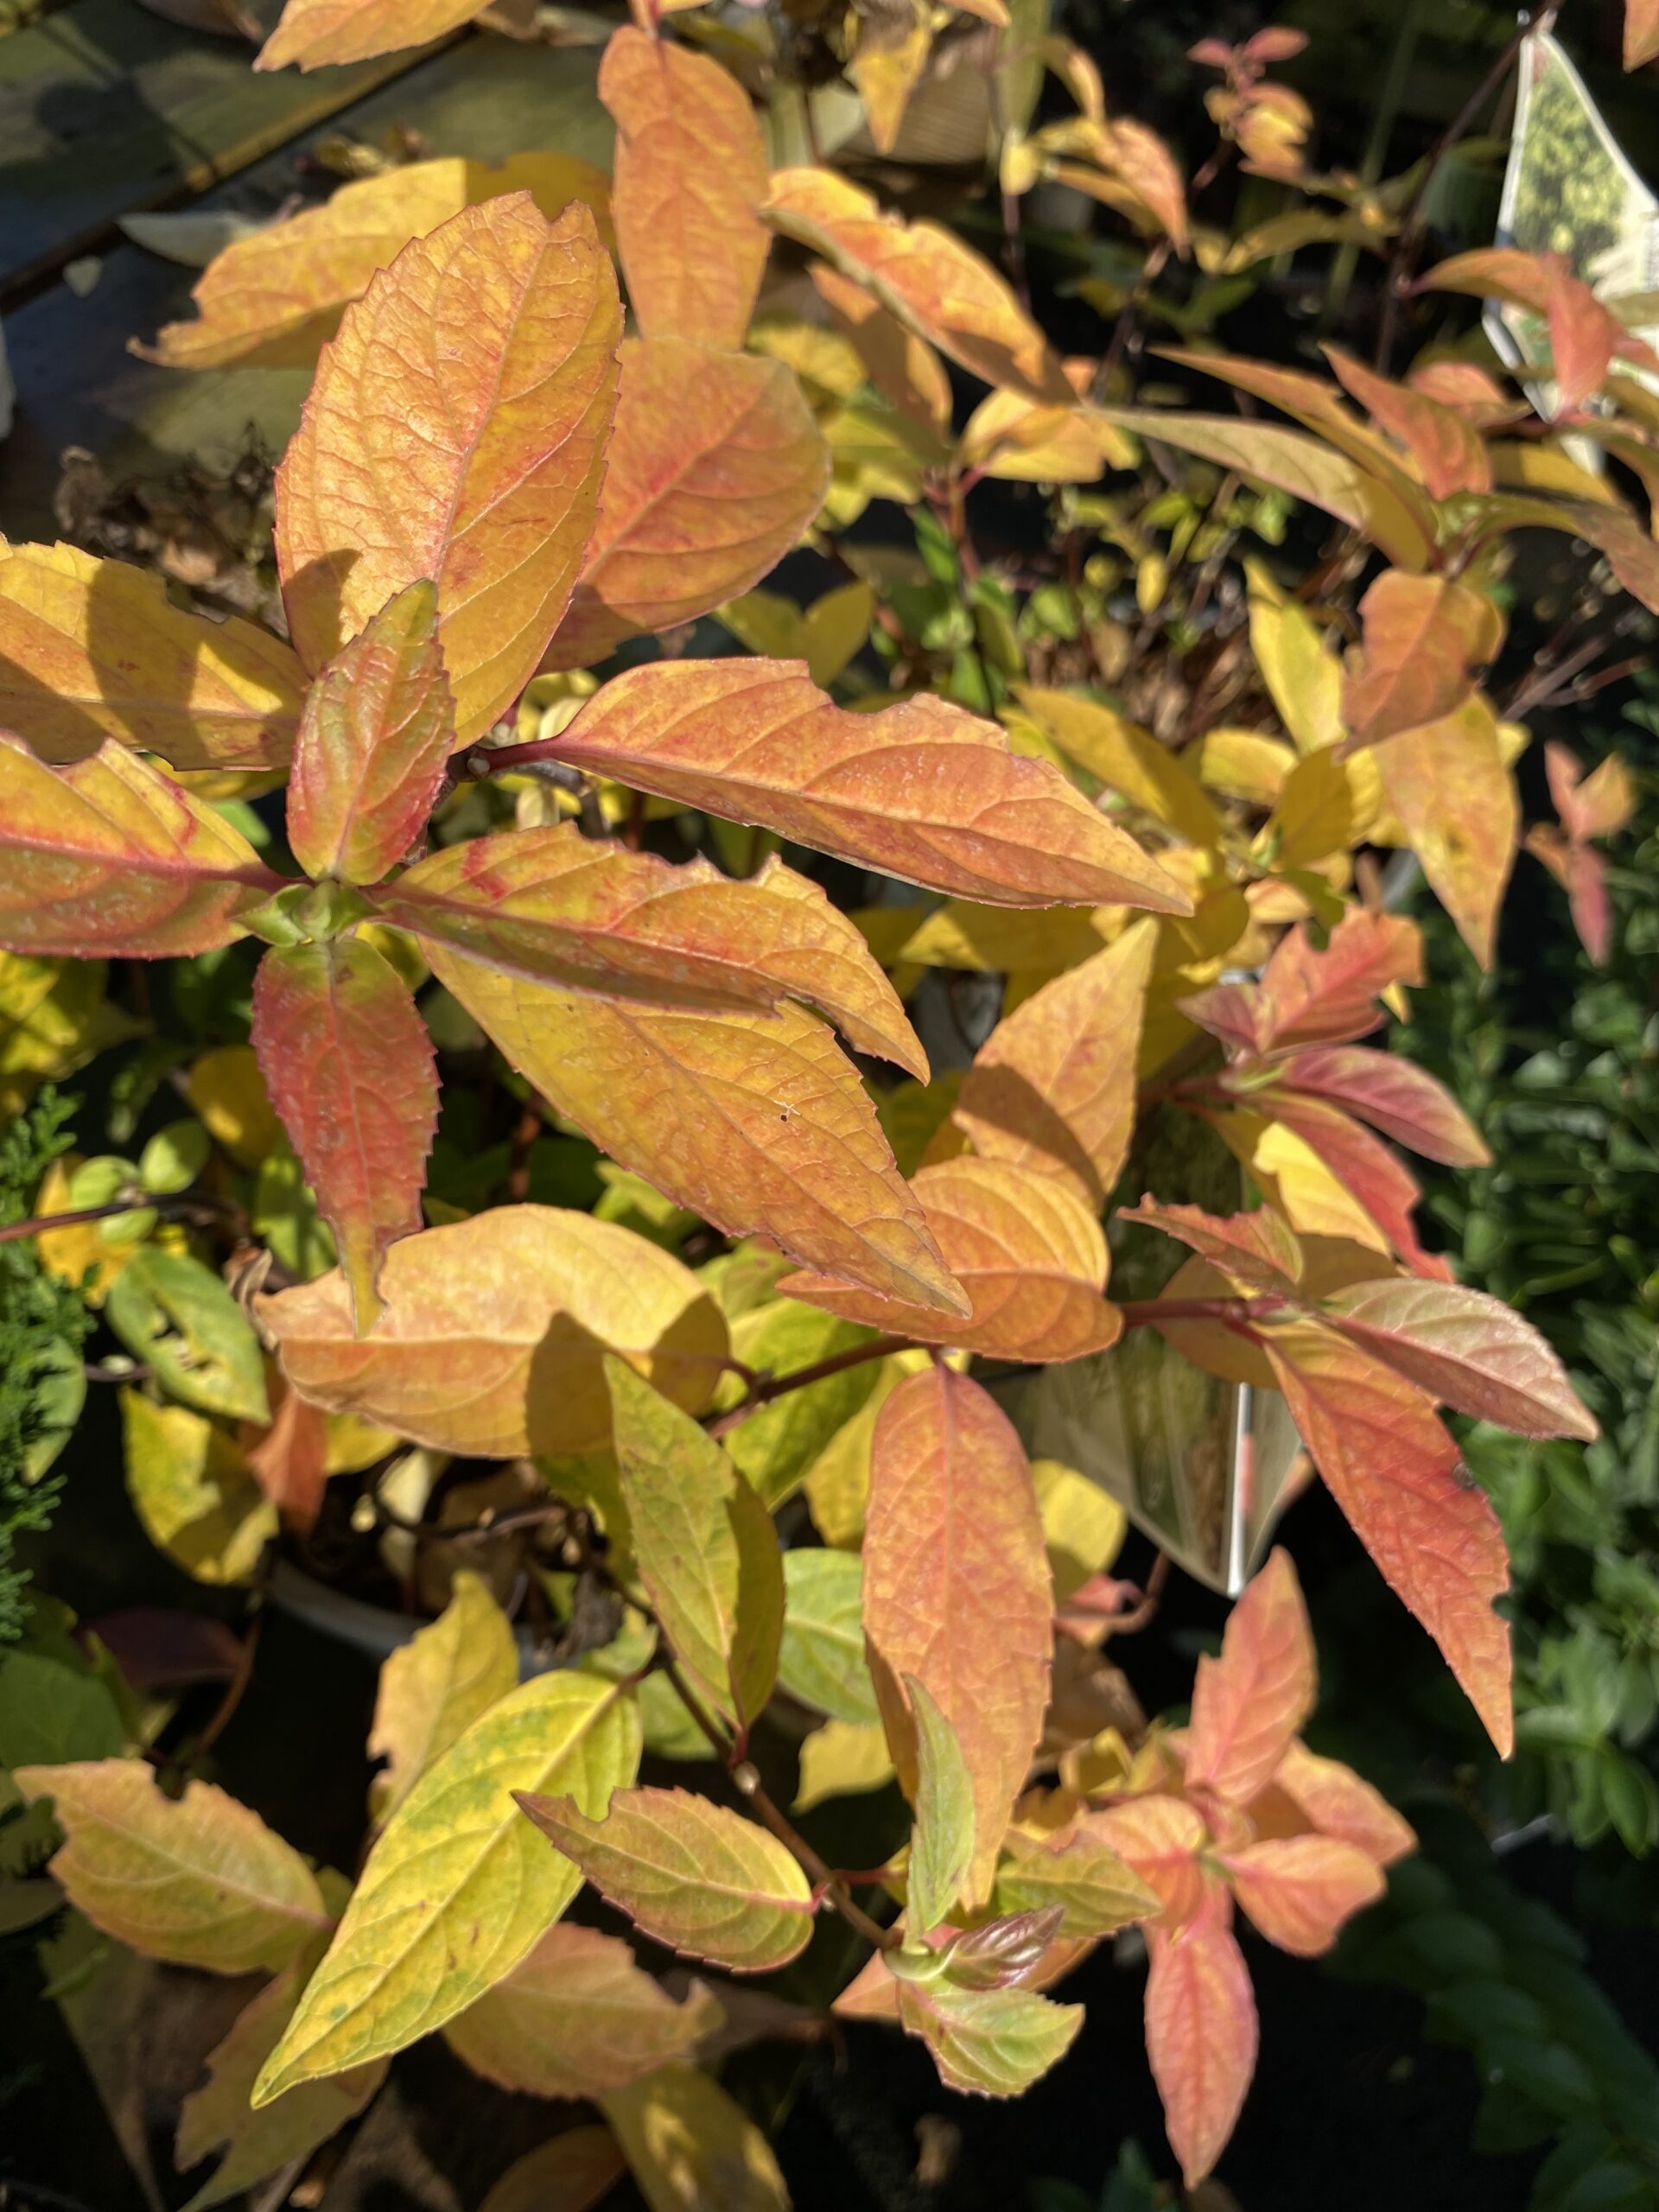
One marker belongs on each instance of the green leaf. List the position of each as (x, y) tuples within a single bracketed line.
[(704, 1546), (176, 1315), (996, 2042), (1097, 1890), (775, 1444), (821, 1662), (942, 1840), (690, 1873), (200, 1500), (457, 1890), (50, 1713), (174, 1158), (433, 1688)]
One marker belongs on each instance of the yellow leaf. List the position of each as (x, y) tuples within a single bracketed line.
[(1129, 761), (228, 1091), (843, 1758), (1242, 764), (199, 1879), (690, 172), (54, 1017), (1301, 672), (270, 300), (1327, 806), (459, 1886), (1011, 436), (774, 1443), (1448, 784), (474, 463), (94, 649), (68, 1253), (495, 1331), (199, 1500), (1083, 1524), (433, 1688), (887, 66), (314, 33), (904, 368), (1296, 1182), (690, 2149)]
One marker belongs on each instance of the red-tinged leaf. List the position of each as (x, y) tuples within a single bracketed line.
[(922, 790), (290, 1461), (1201, 2034), (1370, 1174), (1467, 1350), (1446, 447), (95, 649), (1402, 1101), (1257, 1250), (1160, 1838), (1425, 638), (1304, 467), (957, 1591), (1456, 801), (1250, 1703), (1582, 874), (714, 468), (110, 856), (1340, 1803), (315, 33), (1399, 1477), (939, 286), (1052, 1089), (351, 1070), (1027, 1251), (756, 1122), (1309, 997), (1641, 32), (374, 742), (690, 172), (1467, 389), (1596, 805), (1584, 337), (903, 367), (1298, 1890), (455, 430), (550, 905)]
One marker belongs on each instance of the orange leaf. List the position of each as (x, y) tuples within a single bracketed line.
[(690, 172), (290, 1461), (94, 649), (904, 368), (1393, 1096), (714, 468), (550, 905), (1054, 1087), (374, 742), (1467, 389), (109, 855), (1582, 874), (1299, 1889), (1160, 1838), (1248, 1704), (1029, 1254), (1584, 337), (270, 300), (456, 430), (1372, 1176), (1445, 446), (1456, 802), (957, 1591), (1398, 1477), (1256, 1250), (1340, 1803), (1641, 32), (1309, 997), (351, 1070), (922, 790), (1467, 1350), (939, 286), (1424, 640), (315, 32), (756, 1122), (1596, 805), (1201, 2034)]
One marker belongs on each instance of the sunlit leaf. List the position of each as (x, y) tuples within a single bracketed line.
[(494, 1337), (1310, 997), (1256, 1250), (1097, 1891), (757, 1122), (1082, 1525), (923, 791), (692, 1874), (1456, 801), (176, 1316), (432, 1688), (1396, 1097), (199, 1879), (1248, 1704), (1302, 674), (714, 468), (1641, 32), (1468, 1350), (941, 1839), (953, 1542), (1298, 1890), (1447, 446), (1159, 1838), (690, 172), (690, 2148), (1201, 2034), (458, 1889), (823, 1662), (455, 431), (1053, 1086), (1129, 761), (313, 33), (352, 1071), (109, 855), (704, 1546), (988, 2043), (271, 298), (938, 286), (552, 906), (1028, 1252), (843, 1758), (579, 2018), (194, 1491), (775, 1444), (1424, 640)]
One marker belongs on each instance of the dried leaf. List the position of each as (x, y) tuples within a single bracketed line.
[(314, 33), (433, 1687), (457, 1890), (1298, 1890), (956, 1591), (690, 172), (714, 468), (922, 790), (200, 1879), (351, 1070), (494, 1333), (1249, 1704), (579, 2018), (477, 377), (1425, 638), (690, 2148), (692, 1874), (1201, 2035)]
